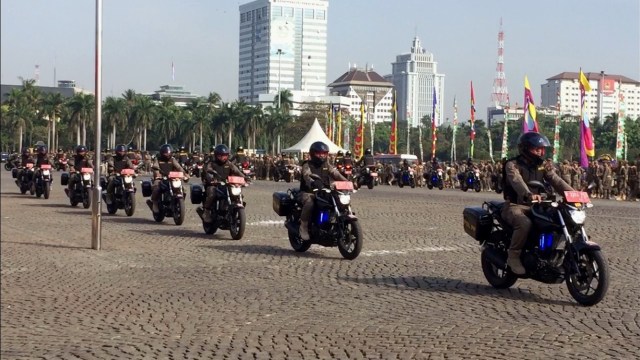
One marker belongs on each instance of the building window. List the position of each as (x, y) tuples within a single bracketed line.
[(276, 10), (320, 14), (308, 13), (288, 11)]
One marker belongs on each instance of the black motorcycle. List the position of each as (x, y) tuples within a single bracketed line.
[(470, 181), (435, 179), (229, 210), (558, 248), (368, 176), (332, 223), (42, 181), (124, 193), (171, 203), (406, 177), (81, 193), (24, 179)]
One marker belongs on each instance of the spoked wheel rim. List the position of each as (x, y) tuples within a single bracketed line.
[(589, 285), (237, 219)]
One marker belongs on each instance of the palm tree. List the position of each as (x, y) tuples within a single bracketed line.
[(81, 106), (53, 105), (129, 97), (167, 118), (284, 100), (213, 104), (198, 109), (114, 112), (143, 115)]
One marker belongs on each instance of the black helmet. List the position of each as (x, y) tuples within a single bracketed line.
[(318, 151), (183, 149), (121, 150), (348, 153), (221, 153), (81, 150), (240, 149), (340, 153), (26, 151), (531, 140), (60, 150), (367, 151), (166, 151), (130, 148), (42, 150), (212, 148)]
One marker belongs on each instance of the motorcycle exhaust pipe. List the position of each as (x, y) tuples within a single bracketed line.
[(495, 257)]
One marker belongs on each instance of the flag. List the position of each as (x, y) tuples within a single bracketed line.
[(473, 120), (173, 72), (330, 121), (587, 148), (556, 132), (338, 117), (434, 136), (621, 120), (358, 150), (393, 146), (505, 140), (455, 126), (529, 123)]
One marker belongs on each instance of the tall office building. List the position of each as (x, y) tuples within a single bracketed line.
[(414, 75), (283, 45)]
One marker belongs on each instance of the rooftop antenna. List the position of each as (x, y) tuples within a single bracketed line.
[(500, 95), (36, 74)]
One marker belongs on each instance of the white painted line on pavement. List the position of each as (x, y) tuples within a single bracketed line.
[(404, 252), (266, 223)]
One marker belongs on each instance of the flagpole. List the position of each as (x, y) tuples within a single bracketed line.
[(490, 145), (472, 134), (556, 132), (455, 126), (505, 139), (621, 124)]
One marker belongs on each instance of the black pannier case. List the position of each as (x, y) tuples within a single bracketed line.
[(146, 188), (64, 179), (196, 194), (477, 223), (282, 203)]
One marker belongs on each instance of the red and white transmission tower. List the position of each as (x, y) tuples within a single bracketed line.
[(36, 74), (500, 95)]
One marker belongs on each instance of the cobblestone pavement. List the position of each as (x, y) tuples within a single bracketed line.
[(416, 291)]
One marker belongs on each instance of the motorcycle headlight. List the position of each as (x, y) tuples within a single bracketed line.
[(176, 183), (235, 191), (345, 199), (578, 216), (45, 172), (86, 177), (128, 179)]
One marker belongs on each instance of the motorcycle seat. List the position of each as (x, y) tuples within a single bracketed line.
[(496, 205)]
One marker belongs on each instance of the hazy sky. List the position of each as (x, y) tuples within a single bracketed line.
[(141, 38)]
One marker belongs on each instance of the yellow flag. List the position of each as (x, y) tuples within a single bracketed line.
[(584, 81)]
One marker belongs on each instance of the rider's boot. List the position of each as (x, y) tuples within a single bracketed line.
[(155, 208), (108, 199), (304, 230), (206, 216), (513, 261)]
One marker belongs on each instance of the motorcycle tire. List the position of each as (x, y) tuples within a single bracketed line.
[(210, 228), (498, 278), (237, 223), (32, 189), (86, 199), (464, 189), (47, 191), (476, 187), (296, 242), (112, 208), (130, 204), (440, 186), (7, 166), (429, 186), (400, 184), (178, 211), (38, 193), (158, 217), (350, 245), (413, 185), (579, 285), (370, 184)]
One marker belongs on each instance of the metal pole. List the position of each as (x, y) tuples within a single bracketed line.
[(96, 220)]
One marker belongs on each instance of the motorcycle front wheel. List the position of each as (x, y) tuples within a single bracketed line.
[(7, 166), (593, 269), (498, 278), (86, 199), (350, 244), (130, 204), (476, 187), (178, 211), (370, 183), (47, 190), (237, 222)]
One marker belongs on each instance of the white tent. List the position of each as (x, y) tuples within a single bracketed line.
[(314, 134)]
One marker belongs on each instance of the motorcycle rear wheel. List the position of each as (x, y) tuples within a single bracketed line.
[(178, 211), (350, 244), (7, 166), (498, 278), (370, 184), (296, 242), (237, 222), (592, 266), (476, 187)]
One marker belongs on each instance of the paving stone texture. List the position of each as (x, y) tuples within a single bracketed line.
[(161, 291)]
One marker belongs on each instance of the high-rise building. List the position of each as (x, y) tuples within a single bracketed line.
[(415, 75), (283, 45), (365, 85)]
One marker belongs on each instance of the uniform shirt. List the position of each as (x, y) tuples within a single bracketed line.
[(163, 167), (116, 164), (519, 171), (220, 172), (324, 170)]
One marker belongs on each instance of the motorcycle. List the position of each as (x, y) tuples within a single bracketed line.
[(248, 169), (435, 179), (558, 248), (61, 164), (81, 191), (346, 170), (42, 182), (332, 223), (171, 201), (196, 169), (406, 177), (24, 180), (368, 176), (124, 193), (471, 181), (9, 166), (229, 210)]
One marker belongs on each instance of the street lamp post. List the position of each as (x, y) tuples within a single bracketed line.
[(279, 52), (96, 216)]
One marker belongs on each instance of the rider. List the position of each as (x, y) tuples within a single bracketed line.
[(80, 161), (217, 170), (239, 157), (42, 157), (517, 172), (115, 164), (183, 156), (25, 159), (162, 166), (317, 165), (339, 160)]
